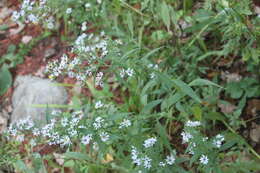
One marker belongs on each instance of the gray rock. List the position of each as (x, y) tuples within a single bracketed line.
[(3, 120), (33, 90), (255, 134), (49, 53)]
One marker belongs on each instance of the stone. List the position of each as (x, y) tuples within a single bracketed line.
[(34, 90), (49, 53), (3, 120), (255, 134), (5, 12)]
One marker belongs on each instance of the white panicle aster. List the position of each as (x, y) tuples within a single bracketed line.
[(86, 139), (170, 160), (122, 73), (98, 123), (147, 162), (84, 26), (134, 156), (192, 123), (129, 72), (218, 140), (149, 142), (162, 164), (98, 105), (186, 137), (204, 159), (64, 122), (69, 10), (15, 16), (95, 146), (104, 136), (125, 123), (87, 5)]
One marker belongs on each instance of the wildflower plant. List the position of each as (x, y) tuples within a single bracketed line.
[(148, 55)]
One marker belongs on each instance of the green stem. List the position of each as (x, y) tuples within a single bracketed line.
[(247, 145)]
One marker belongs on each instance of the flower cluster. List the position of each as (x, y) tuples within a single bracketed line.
[(26, 12), (144, 161), (153, 67), (218, 140), (128, 72), (89, 50), (149, 142), (125, 123), (195, 140), (170, 160)]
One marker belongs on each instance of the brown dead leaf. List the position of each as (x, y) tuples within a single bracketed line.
[(15, 31), (109, 158), (59, 158), (226, 108)]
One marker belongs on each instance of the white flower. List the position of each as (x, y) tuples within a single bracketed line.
[(98, 123), (64, 122), (15, 16), (125, 123), (191, 148), (118, 41), (95, 146), (99, 1), (104, 136), (122, 73), (218, 140), (32, 18), (149, 142), (129, 72), (86, 139), (69, 10), (98, 80), (186, 137), (134, 156), (152, 75), (50, 25), (98, 105), (87, 5), (84, 26), (72, 132), (192, 123), (170, 160), (65, 141), (36, 132), (162, 164), (147, 162), (204, 159), (20, 138)]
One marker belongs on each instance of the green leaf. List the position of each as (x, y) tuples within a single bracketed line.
[(201, 82), (69, 163), (130, 23), (6, 80), (197, 112), (183, 87), (165, 14), (77, 156), (214, 116), (148, 108), (152, 52), (20, 165), (3, 27)]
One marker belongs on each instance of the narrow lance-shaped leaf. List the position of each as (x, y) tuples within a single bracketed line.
[(183, 87), (165, 14)]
